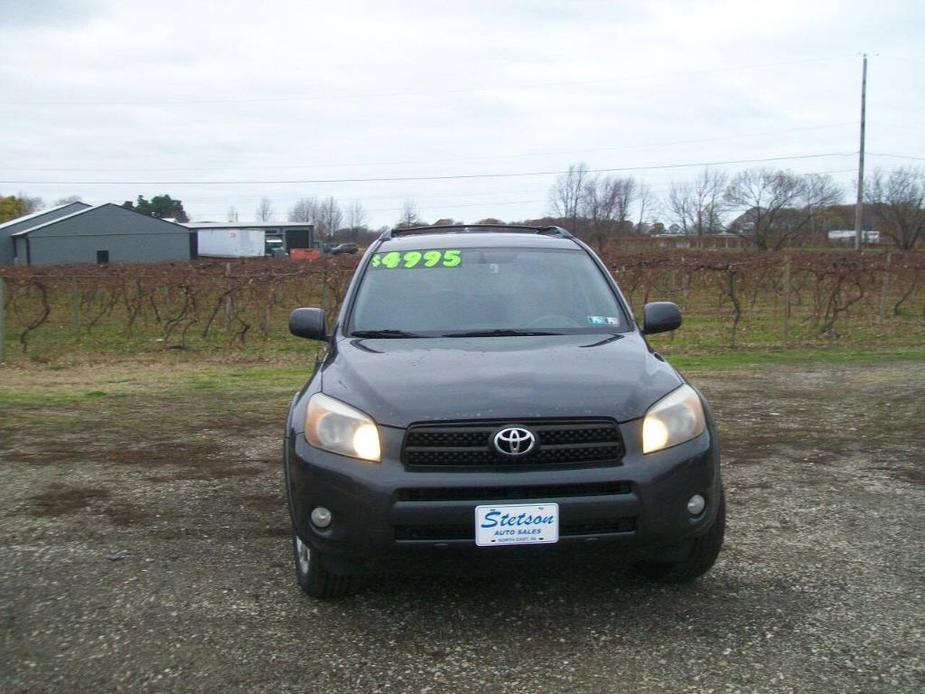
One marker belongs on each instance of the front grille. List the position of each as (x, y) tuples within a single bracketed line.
[(533, 491), (445, 533), (468, 445)]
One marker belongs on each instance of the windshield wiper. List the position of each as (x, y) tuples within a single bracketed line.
[(382, 333), (501, 332)]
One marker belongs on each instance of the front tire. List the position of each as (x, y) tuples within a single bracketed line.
[(314, 579), (703, 553)]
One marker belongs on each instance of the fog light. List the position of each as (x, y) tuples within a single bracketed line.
[(321, 517), (695, 505)]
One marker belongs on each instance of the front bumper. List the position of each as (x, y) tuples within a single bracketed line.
[(380, 509)]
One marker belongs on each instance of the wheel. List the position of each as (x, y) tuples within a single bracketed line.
[(316, 580), (702, 556)]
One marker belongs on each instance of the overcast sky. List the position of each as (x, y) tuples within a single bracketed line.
[(109, 99)]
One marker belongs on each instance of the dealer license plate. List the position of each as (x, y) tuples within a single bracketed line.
[(521, 524)]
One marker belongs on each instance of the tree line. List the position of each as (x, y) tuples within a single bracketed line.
[(13, 206), (770, 208)]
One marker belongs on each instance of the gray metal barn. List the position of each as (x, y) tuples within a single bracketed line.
[(7, 229), (101, 234)]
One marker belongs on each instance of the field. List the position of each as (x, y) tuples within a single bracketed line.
[(733, 301), (145, 544), (146, 538)]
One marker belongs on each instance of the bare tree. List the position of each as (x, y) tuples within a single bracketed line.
[(305, 210), (356, 219), (698, 206), (778, 206), (644, 198), (597, 205), (67, 200), (898, 200), (328, 219), (566, 194), (409, 215), (31, 204), (264, 211), (623, 190), (605, 203)]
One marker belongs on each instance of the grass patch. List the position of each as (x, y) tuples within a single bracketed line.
[(793, 357), (11, 398)]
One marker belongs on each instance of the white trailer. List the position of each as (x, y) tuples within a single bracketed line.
[(231, 243), (868, 236)]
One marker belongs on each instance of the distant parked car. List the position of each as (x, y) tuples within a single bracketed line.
[(344, 248), (274, 248)]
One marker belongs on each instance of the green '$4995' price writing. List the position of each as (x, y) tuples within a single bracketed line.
[(407, 260)]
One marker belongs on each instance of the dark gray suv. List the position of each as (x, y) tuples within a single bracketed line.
[(486, 389)]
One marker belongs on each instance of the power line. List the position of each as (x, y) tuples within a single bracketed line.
[(438, 206), (426, 200), (386, 179), (895, 156)]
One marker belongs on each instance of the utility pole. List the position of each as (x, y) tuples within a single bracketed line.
[(859, 205)]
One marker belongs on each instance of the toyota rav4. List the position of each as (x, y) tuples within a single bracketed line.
[(487, 389)]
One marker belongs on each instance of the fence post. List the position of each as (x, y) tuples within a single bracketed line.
[(786, 283), (885, 288), (75, 307), (228, 309), (2, 319), (735, 319), (268, 314), (324, 285)]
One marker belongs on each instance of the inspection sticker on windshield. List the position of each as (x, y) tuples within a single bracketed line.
[(516, 525), (408, 260), (603, 320)]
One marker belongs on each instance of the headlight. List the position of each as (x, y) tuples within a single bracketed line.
[(336, 427), (676, 418)]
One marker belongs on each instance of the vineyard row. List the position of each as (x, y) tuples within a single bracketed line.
[(178, 305)]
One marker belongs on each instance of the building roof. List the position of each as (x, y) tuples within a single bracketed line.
[(244, 225), (26, 232), (41, 213)]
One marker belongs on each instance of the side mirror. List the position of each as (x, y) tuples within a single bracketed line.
[(308, 323), (660, 317)]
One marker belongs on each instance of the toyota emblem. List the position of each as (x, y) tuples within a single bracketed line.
[(514, 441)]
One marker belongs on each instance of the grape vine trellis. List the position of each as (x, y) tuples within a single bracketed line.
[(177, 305)]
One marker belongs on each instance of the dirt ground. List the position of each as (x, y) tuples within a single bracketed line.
[(144, 542)]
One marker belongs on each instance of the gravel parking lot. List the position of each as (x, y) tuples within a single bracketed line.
[(145, 545)]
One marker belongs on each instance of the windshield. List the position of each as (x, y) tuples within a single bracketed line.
[(484, 290)]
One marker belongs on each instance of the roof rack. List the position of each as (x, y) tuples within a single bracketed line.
[(476, 228)]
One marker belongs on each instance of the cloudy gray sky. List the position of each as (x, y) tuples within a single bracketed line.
[(108, 99)]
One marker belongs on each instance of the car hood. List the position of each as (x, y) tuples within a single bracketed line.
[(402, 381)]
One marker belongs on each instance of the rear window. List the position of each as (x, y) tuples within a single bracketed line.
[(442, 291)]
